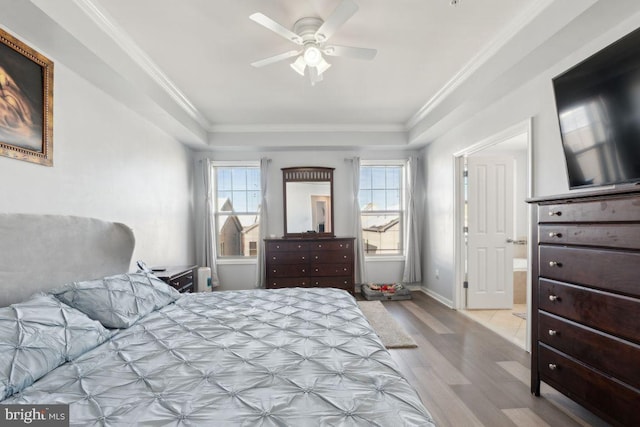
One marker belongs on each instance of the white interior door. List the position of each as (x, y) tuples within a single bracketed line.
[(490, 189)]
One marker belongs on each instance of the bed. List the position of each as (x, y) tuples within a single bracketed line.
[(126, 349)]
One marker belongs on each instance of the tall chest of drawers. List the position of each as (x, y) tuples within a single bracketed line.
[(310, 262), (586, 301)]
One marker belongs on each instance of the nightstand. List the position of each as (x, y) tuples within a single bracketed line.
[(181, 278)]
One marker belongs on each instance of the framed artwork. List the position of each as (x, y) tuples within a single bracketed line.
[(26, 102)]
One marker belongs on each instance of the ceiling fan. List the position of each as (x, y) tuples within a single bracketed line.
[(312, 34)]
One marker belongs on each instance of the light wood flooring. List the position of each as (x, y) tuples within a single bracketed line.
[(467, 375), (504, 322)]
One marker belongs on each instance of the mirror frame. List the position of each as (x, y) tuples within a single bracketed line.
[(307, 174)]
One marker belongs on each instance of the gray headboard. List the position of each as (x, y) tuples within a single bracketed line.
[(40, 252)]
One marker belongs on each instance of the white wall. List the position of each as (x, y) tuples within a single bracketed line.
[(533, 99), (242, 276), (110, 164)]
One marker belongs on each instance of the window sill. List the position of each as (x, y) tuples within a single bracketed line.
[(236, 261), (384, 258)]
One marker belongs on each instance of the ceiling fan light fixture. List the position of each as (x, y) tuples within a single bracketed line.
[(323, 66), (311, 33), (299, 65), (312, 56)]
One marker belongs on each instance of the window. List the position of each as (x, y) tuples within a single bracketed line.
[(382, 208), (237, 206)]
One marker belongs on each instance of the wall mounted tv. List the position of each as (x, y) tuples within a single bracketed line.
[(598, 106)]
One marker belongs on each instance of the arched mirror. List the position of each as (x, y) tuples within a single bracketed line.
[(308, 201)]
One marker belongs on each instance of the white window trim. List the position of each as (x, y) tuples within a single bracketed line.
[(234, 260), (384, 258), (396, 162), (237, 260), (236, 163)]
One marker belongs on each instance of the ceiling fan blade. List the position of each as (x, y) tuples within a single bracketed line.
[(339, 16), (276, 58), (351, 52), (272, 25)]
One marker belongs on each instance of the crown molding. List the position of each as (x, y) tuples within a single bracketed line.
[(294, 128), (98, 15), (479, 59)]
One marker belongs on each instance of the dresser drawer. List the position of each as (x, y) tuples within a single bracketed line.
[(287, 282), (287, 270), (332, 245), (286, 246), (331, 256), (611, 210), (604, 269), (601, 351), (278, 257), (333, 282), (608, 397), (623, 236), (607, 312), (331, 269)]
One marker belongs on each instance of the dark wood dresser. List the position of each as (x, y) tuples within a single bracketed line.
[(181, 278), (586, 301), (310, 262)]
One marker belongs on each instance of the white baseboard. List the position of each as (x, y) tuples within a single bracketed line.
[(436, 296)]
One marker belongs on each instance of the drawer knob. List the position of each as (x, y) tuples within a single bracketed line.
[(316, 256), (275, 257), (275, 271), (303, 270), (345, 257), (299, 246), (345, 269), (553, 332), (277, 246), (553, 234), (316, 270), (302, 257), (553, 366), (555, 213), (553, 297), (555, 264)]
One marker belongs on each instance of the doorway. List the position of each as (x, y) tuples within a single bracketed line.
[(492, 231)]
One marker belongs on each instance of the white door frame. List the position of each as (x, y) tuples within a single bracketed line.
[(458, 210)]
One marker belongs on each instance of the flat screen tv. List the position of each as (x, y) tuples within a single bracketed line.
[(598, 106)]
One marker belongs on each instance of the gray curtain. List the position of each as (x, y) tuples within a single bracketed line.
[(210, 250), (264, 221), (360, 275), (412, 272)]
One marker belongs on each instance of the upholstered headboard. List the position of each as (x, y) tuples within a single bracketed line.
[(40, 252)]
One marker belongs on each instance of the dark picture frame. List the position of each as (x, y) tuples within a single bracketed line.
[(26, 102)]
